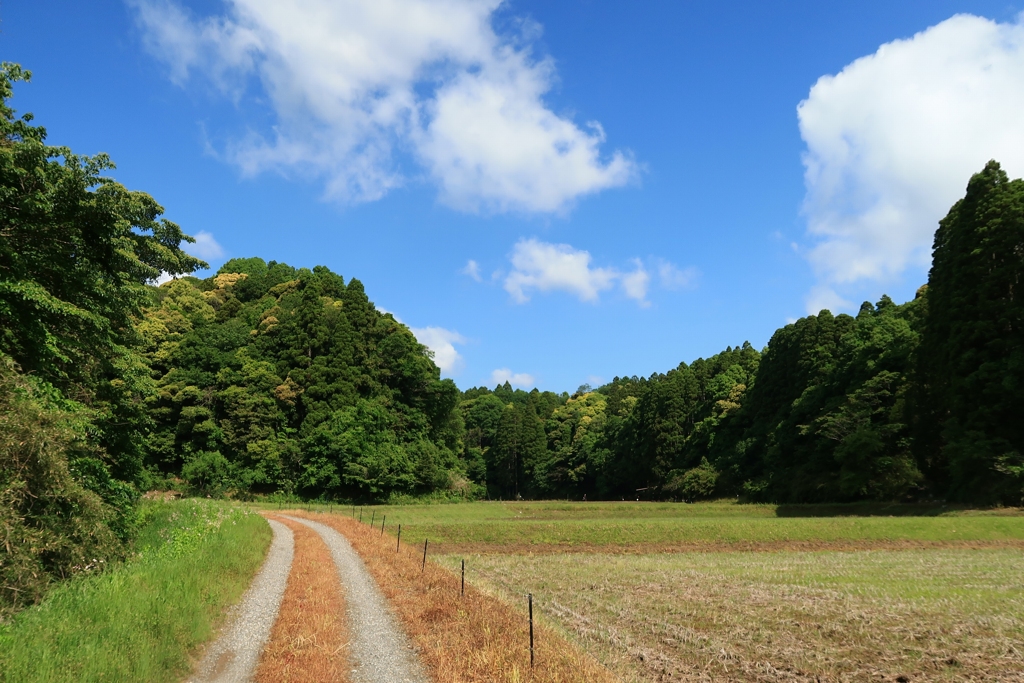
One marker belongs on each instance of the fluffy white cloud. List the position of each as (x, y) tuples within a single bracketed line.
[(893, 139), (546, 267), (516, 379), (442, 343), (349, 81), (205, 246), (472, 269)]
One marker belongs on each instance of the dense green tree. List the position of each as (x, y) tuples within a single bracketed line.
[(577, 449), (272, 378), (76, 251), (972, 356)]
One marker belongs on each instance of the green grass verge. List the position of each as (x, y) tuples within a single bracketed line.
[(143, 620), (630, 523)]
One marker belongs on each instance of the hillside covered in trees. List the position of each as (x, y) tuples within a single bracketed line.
[(271, 378), (266, 379)]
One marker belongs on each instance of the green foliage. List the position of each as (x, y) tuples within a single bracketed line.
[(76, 251), (899, 402), (972, 357), (697, 483), (825, 419), (276, 379), (144, 619), (51, 526)]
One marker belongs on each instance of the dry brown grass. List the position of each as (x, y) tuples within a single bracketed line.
[(914, 615), (309, 642), (463, 639)]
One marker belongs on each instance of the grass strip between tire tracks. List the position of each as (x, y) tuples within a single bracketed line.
[(472, 638), (309, 642)]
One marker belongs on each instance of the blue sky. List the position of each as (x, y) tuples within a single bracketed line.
[(555, 193)]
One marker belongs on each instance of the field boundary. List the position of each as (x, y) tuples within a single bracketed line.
[(451, 548)]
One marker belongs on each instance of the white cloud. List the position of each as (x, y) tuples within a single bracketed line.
[(493, 145), (546, 267), (893, 139), (516, 379), (442, 343), (672, 277), (635, 284), (472, 269), (823, 297), (162, 278), (351, 81), (205, 246)]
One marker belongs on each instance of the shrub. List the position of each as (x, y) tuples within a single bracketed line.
[(693, 484), (51, 526)]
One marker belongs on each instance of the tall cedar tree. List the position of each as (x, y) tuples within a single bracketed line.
[(972, 356)]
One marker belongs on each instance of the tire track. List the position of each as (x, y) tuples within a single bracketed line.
[(232, 658), (380, 650)]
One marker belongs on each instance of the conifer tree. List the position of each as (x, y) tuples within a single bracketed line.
[(972, 356)]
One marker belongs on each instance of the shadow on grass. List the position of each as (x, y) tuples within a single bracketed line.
[(869, 509)]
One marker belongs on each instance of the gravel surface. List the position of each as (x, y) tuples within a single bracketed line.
[(232, 658), (381, 653)]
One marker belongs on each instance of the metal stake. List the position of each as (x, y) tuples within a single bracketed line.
[(424, 555), (398, 546), (382, 526), (529, 598), (463, 578), (371, 518)]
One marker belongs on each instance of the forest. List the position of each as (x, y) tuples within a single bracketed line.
[(266, 379)]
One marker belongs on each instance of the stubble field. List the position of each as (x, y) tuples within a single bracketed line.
[(719, 591)]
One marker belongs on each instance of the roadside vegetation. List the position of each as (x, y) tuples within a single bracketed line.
[(142, 620)]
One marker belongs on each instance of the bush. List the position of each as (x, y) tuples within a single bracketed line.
[(693, 484), (51, 526), (207, 473)]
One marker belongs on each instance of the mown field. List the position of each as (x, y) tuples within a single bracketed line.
[(537, 527), (720, 591)]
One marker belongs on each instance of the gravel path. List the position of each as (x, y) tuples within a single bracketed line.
[(381, 653), (233, 657)]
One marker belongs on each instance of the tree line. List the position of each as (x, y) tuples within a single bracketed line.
[(271, 378), (916, 401), (266, 379)]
